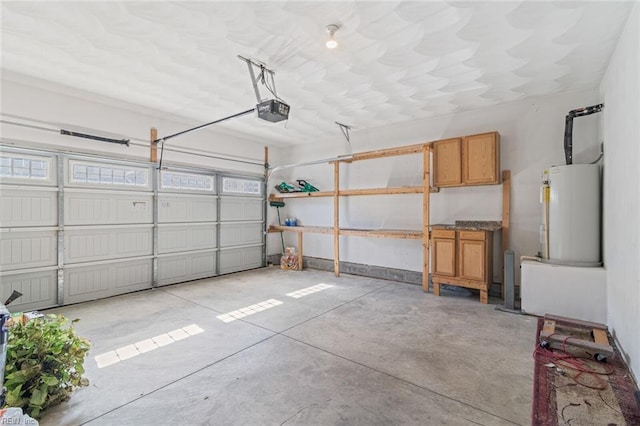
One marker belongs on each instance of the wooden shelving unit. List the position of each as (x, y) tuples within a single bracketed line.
[(337, 231), (425, 189)]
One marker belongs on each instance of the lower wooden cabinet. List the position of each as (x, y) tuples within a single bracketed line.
[(462, 258), (444, 252)]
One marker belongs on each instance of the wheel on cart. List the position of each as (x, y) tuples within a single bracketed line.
[(599, 357)]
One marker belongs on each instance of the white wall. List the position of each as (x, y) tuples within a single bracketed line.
[(531, 139), (621, 128), (35, 102)]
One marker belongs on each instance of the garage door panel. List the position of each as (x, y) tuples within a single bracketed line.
[(107, 207), (185, 237), (240, 259), (28, 249), (94, 281), (23, 208), (240, 208), (39, 289), (203, 264), (238, 234), (186, 267), (86, 245), (172, 269), (186, 208)]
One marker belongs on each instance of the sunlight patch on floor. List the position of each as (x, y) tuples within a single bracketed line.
[(115, 356), (248, 310), (309, 290)]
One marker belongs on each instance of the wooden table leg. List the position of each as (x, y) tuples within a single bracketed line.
[(299, 251)]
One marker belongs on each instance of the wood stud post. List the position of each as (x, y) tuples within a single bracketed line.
[(426, 184), (336, 218), (299, 250), (266, 161), (153, 145)]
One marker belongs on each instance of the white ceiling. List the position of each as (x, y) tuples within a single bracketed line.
[(397, 60)]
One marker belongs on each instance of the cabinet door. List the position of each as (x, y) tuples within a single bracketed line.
[(480, 159), (444, 257), (446, 163), (471, 259)]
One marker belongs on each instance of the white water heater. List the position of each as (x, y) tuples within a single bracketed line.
[(571, 215)]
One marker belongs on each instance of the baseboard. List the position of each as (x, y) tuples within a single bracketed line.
[(400, 275), (370, 271)]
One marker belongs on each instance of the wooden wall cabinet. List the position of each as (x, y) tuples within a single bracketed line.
[(447, 161), (470, 160), (462, 258)]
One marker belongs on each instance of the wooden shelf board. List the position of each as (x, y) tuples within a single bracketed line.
[(383, 233), (389, 152), (349, 192), (308, 229), (383, 191), (275, 197), (375, 233)]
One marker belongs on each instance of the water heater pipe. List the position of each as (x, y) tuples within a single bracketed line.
[(568, 127), (546, 196)]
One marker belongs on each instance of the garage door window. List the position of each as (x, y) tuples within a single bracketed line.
[(25, 167), (186, 181), (87, 173), (241, 186)]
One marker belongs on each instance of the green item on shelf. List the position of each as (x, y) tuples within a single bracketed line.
[(306, 186), (284, 187)]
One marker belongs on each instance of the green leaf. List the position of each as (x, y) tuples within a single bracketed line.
[(49, 380), (16, 378), (37, 398), (13, 396), (35, 412)]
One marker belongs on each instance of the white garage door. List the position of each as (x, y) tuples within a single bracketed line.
[(187, 226), (241, 224), (77, 228), (108, 228), (28, 229)]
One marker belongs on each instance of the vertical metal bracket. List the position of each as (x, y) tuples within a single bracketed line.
[(60, 160), (218, 178), (155, 183), (264, 222)]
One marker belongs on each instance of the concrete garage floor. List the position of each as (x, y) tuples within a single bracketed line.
[(362, 351)]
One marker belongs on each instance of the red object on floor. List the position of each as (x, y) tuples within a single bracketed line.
[(544, 407)]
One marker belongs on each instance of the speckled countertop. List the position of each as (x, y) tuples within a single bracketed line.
[(470, 225)]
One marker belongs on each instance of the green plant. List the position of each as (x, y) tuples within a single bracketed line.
[(44, 363)]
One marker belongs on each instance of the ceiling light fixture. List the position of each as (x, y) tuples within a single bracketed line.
[(331, 42)]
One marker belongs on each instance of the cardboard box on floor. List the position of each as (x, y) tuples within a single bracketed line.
[(289, 262), (24, 317)]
